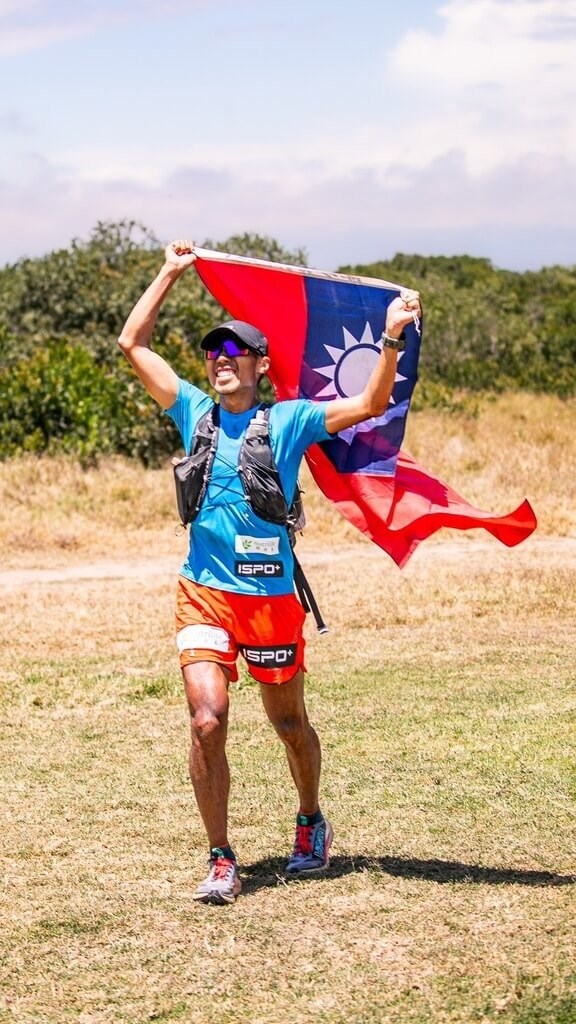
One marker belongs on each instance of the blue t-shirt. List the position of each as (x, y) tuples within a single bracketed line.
[(231, 548)]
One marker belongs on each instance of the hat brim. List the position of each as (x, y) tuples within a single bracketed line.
[(239, 331)]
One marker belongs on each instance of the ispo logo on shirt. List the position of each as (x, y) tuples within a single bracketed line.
[(270, 657), (258, 568)]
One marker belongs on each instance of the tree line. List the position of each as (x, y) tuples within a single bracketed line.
[(64, 386)]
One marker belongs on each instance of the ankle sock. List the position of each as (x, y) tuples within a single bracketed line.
[(222, 851), (310, 819)]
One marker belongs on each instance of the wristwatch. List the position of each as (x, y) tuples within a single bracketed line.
[(399, 344)]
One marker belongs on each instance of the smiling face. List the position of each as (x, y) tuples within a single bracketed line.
[(235, 378)]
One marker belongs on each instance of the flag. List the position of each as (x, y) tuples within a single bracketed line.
[(324, 334)]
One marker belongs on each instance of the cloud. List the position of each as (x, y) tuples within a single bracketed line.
[(26, 25), (494, 83), (498, 75), (338, 219), (470, 147)]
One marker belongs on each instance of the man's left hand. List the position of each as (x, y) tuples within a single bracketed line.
[(402, 311)]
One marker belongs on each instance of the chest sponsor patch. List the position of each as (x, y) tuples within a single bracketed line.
[(252, 569), (256, 545), (270, 657)]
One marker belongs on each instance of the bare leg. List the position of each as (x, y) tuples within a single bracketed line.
[(286, 710), (206, 687)]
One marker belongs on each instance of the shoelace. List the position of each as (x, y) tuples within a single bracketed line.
[(221, 867), (302, 842)]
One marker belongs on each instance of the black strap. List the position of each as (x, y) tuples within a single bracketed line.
[(306, 596), (257, 467)]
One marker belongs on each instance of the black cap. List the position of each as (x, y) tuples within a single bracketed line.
[(241, 331)]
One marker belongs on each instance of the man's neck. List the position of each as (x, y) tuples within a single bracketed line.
[(238, 403)]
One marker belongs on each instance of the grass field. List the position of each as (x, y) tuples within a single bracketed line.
[(445, 699)]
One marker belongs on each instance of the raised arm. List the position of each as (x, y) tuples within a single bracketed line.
[(373, 400), (157, 376)]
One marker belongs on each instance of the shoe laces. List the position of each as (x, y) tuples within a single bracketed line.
[(221, 867), (303, 840)]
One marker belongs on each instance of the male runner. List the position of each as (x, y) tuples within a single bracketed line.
[(223, 611)]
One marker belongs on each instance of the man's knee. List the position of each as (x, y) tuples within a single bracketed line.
[(208, 724), (206, 687), (291, 728)]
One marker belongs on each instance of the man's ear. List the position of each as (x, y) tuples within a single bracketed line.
[(263, 364)]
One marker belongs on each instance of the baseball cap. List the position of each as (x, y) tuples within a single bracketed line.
[(246, 333)]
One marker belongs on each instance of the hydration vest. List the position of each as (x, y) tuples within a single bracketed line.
[(260, 479)]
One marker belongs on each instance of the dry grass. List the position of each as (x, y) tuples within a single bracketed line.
[(52, 512), (444, 696)]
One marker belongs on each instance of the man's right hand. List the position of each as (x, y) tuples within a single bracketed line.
[(180, 254), (157, 376)]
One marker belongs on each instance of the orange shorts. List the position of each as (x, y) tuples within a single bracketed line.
[(215, 625)]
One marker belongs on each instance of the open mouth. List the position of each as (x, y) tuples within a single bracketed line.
[(224, 373)]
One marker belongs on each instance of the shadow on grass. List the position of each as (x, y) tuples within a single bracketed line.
[(268, 873)]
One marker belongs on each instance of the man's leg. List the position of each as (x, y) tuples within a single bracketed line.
[(206, 687), (285, 707), (286, 710)]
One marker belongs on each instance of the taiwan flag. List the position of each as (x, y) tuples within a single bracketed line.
[(324, 334)]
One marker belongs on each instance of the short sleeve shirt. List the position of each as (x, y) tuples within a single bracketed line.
[(231, 548)]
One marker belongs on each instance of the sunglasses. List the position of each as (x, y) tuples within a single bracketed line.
[(231, 348)]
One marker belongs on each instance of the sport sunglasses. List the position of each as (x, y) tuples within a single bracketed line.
[(231, 348)]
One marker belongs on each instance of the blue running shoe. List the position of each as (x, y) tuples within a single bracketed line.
[(311, 849)]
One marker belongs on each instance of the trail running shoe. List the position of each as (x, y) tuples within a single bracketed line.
[(222, 885), (311, 849)]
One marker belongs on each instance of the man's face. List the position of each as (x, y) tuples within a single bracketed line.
[(230, 374)]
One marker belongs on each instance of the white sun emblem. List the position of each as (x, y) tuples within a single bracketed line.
[(349, 370)]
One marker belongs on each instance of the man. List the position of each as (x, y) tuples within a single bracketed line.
[(236, 590)]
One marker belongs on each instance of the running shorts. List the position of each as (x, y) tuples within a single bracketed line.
[(215, 625)]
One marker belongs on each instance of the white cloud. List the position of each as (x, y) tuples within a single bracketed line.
[(507, 43), (339, 218), (498, 80), (495, 84)]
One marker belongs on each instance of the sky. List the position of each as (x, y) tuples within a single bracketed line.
[(352, 130)]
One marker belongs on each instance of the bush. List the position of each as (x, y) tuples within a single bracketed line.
[(62, 400)]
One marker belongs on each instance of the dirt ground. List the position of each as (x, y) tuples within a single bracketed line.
[(553, 550)]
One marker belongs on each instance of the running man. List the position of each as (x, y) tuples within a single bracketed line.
[(235, 592)]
